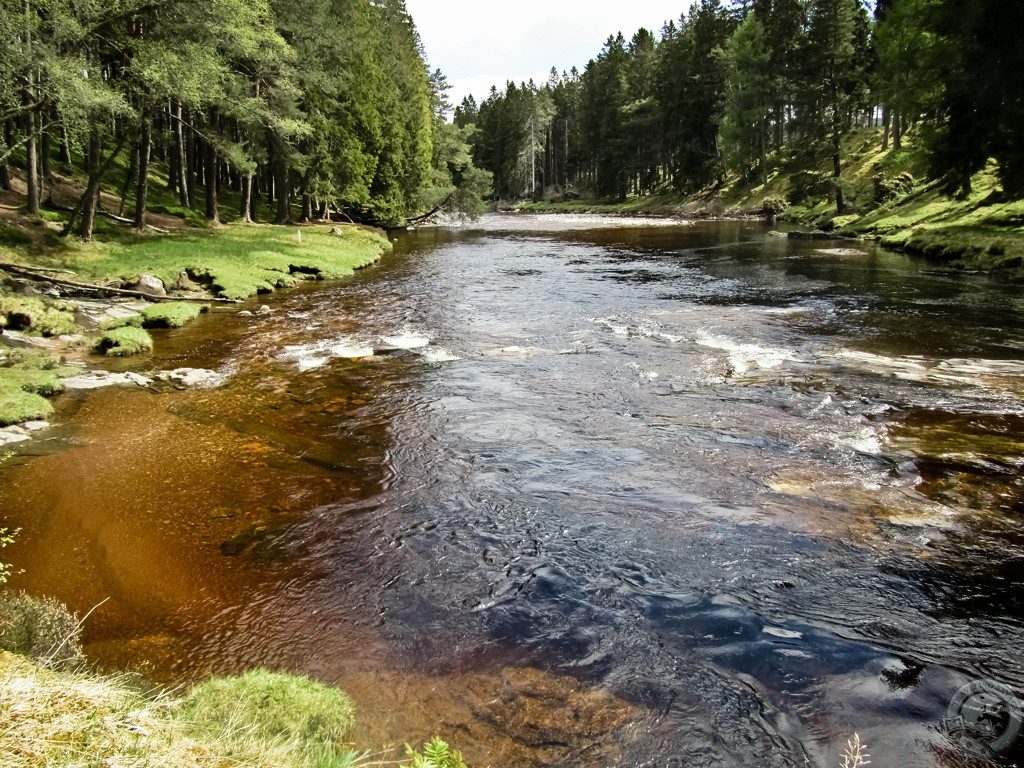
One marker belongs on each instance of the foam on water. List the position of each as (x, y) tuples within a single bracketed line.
[(744, 357), (405, 341)]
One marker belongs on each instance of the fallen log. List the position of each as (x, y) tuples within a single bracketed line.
[(20, 271)]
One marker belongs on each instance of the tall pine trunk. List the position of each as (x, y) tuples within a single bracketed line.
[(145, 148), (90, 200), (837, 172), (282, 185), (5, 167), (210, 174), (31, 159), (180, 152), (246, 209)]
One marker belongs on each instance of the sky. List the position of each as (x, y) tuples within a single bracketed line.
[(480, 43)]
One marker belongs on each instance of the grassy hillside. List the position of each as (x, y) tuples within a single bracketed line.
[(889, 199)]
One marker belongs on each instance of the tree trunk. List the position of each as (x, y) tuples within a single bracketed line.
[(837, 170), (65, 144), (283, 191), (246, 211), (145, 147), (210, 177), (181, 153), (133, 168), (897, 132), (90, 200), (5, 168), (31, 160), (886, 120)]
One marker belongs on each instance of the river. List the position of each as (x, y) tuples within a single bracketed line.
[(607, 492)]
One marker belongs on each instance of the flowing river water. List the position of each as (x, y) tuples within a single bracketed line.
[(607, 492)]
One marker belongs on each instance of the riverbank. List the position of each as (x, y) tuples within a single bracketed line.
[(889, 201), (56, 711), (53, 328)]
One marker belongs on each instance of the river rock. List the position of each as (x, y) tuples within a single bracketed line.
[(187, 284), (264, 310), (35, 426), (245, 313), (99, 379), (154, 286), (774, 233), (12, 435), (201, 378), (19, 340)]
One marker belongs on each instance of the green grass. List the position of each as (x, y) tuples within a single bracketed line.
[(306, 718), (124, 341), (236, 261), (171, 314), (35, 315), (77, 718), (26, 380)]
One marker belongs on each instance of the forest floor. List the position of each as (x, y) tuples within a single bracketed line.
[(887, 201)]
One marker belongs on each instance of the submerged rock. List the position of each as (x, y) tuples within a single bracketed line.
[(99, 379), (12, 435), (201, 378)]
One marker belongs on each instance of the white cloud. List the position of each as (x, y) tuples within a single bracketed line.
[(479, 43)]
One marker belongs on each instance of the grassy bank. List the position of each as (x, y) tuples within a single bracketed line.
[(888, 199), (232, 262), (56, 712)]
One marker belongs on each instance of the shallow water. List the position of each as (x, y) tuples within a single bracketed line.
[(570, 491)]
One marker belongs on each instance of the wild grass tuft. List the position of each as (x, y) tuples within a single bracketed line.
[(40, 628), (260, 720), (855, 754)]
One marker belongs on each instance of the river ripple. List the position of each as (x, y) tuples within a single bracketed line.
[(606, 492)]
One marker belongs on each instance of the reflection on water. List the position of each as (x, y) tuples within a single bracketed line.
[(572, 492)]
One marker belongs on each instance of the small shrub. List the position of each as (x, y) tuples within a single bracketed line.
[(124, 341), (40, 628), (436, 754)]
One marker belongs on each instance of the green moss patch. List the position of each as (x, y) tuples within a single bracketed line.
[(173, 314), (26, 380), (36, 315), (124, 341)]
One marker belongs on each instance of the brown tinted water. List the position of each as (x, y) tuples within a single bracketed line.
[(608, 493)]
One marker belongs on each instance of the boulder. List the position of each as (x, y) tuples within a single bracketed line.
[(264, 310), (187, 284), (149, 284), (336, 231)]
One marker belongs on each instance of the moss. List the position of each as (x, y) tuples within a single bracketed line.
[(13, 236), (125, 341), (17, 405), (36, 315), (26, 379), (172, 314)]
